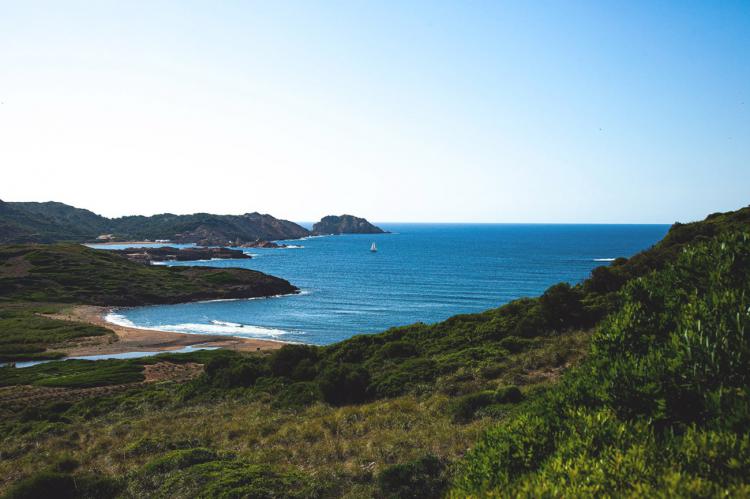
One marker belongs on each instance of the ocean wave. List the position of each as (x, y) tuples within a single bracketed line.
[(604, 259), (121, 320), (225, 323), (216, 328), (224, 328)]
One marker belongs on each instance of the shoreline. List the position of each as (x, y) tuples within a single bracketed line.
[(133, 339), (118, 243)]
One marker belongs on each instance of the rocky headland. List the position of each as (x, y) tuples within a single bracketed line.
[(345, 224)]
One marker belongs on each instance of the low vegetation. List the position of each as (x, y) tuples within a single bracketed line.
[(26, 334), (71, 273), (631, 383)]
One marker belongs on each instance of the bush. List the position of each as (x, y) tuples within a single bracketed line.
[(235, 371), (179, 459), (298, 395), (508, 395), (49, 484), (295, 361), (660, 408), (423, 478), (464, 408), (344, 384), (561, 307)]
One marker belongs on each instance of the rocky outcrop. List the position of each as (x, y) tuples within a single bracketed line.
[(263, 244), (345, 224), (167, 254)]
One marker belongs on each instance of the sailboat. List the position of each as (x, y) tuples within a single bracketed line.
[(373, 248)]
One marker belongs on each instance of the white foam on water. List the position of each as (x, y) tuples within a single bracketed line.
[(224, 328), (225, 323), (216, 328), (604, 259)]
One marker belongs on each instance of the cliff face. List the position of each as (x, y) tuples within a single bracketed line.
[(345, 224)]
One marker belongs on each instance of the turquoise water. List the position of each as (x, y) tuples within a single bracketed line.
[(421, 272)]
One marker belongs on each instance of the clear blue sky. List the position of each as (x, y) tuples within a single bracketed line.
[(397, 111)]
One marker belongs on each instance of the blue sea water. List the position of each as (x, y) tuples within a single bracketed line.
[(421, 272)]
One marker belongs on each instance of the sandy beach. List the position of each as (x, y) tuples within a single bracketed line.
[(131, 339)]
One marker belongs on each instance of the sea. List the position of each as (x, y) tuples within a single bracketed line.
[(419, 273)]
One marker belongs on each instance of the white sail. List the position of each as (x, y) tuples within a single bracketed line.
[(373, 248)]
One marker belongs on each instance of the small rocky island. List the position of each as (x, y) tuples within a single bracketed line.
[(345, 224), (263, 244), (168, 253)]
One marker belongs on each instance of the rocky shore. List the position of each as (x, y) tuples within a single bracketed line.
[(170, 254)]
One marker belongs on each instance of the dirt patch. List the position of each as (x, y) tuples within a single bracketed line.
[(168, 371), (544, 374)]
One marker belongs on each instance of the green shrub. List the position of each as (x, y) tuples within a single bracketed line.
[(514, 344), (660, 408), (49, 484), (295, 361), (423, 478), (179, 459), (508, 395), (297, 395), (464, 408), (344, 384)]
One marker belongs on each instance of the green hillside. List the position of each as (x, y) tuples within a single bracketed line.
[(633, 383), (57, 222), (70, 273)]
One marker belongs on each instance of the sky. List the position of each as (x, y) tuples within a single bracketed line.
[(464, 111)]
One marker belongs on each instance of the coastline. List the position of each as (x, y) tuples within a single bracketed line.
[(119, 243), (133, 339)]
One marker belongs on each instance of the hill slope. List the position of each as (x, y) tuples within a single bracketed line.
[(56, 222), (71, 273), (632, 383)]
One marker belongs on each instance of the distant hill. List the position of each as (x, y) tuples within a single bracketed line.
[(345, 224), (55, 222)]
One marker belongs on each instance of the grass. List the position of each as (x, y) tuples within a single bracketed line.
[(26, 335), (74, 374), (70, 273)]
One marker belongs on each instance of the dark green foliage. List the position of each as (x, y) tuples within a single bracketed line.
[(508, 395), (232, 370), (297, 395), (71, 273), (423, 478), (561, 307), (50, 484), (296, 362), (344, 384), (466, 407), (661, 404)]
